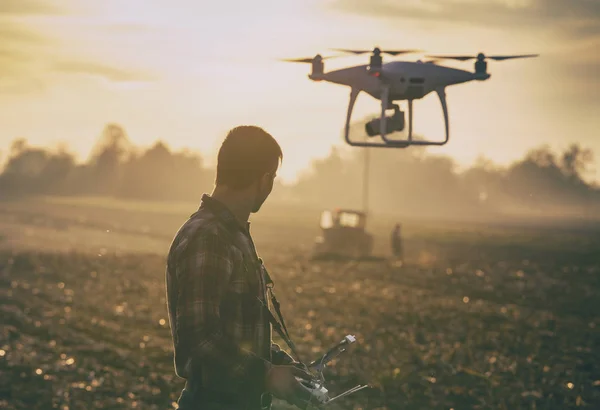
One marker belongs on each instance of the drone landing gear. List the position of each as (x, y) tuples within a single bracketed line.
[(386, 125)]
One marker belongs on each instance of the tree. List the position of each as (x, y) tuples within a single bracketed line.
[(110, 152), (575, 161)]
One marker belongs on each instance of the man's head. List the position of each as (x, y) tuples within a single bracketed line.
[(247, 163)]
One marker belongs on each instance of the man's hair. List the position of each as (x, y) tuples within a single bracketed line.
[(247, 153)]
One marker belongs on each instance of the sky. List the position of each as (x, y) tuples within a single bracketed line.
[(186, 71)]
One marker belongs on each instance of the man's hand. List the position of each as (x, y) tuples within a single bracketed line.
[(300, 366), (282, 383)]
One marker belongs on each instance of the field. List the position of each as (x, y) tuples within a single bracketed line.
[(477, 318)]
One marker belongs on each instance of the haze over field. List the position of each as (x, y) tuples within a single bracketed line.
[(402, 183)]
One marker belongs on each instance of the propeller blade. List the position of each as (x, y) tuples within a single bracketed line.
[(398, 52), (390, 52), (501, 58), (497, 58), (459, 58), (296, 60), (304, 60), (343, 50)]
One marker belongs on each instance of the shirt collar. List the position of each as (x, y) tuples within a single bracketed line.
[(222, 212)]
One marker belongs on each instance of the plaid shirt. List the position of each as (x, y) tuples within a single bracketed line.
[(221, 335)]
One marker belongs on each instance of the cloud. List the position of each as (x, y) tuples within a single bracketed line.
[(13, 32), (99, 70), (30, 55), (29, 7), (19, 49), (580, 17)]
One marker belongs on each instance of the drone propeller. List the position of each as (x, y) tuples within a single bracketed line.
[(500, 58), (377, 50), (309, 60), (482, 57)]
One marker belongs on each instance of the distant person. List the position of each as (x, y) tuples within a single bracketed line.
[(396, 242), (216, 285)]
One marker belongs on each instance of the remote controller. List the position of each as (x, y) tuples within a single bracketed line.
[(316, 386), (318, 391)]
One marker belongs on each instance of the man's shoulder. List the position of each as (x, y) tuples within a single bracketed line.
[(204, 222), (201, 225)]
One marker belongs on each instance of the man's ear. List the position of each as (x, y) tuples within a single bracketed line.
[(258, 183), (265, 179)]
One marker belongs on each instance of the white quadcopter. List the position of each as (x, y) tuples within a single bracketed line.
[(396, 81)]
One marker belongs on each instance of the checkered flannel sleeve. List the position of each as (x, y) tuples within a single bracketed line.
[(207, 270)]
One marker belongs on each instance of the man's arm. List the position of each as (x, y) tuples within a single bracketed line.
[(204, 281)]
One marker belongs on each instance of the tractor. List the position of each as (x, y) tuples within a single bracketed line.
[(343, 236)]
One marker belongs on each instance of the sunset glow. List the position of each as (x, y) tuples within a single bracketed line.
[(188, 72)]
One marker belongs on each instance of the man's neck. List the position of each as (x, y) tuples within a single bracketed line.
[(236, 202)]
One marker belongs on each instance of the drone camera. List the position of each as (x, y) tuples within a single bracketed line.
[(392, 124)]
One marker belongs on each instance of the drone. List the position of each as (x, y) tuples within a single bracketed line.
[(397, 81)]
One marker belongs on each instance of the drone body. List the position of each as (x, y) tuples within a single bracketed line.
[(407, 80), (397, 81)]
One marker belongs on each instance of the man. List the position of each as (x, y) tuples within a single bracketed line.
[(217, 293)]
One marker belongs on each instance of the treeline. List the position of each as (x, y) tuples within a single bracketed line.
[(408, 182), (115, 168)]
